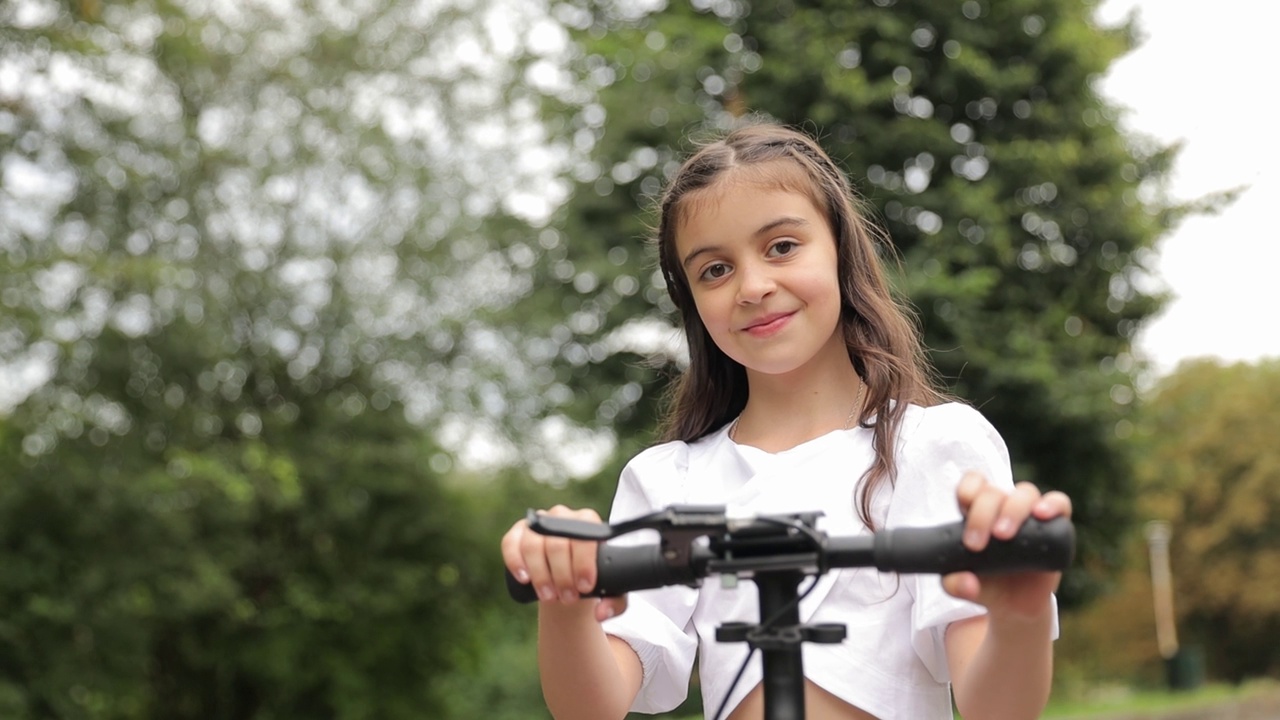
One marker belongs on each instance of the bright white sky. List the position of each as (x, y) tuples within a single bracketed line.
[(1202, 76)]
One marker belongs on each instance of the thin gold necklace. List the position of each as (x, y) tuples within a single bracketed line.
[(857, 403)]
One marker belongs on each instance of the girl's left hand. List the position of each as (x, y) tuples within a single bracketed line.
[(989, 512)]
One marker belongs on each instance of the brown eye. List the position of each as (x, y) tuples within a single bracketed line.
[(714, 272), (782, 247)]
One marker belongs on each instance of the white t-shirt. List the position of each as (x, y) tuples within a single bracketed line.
[(893, 662)]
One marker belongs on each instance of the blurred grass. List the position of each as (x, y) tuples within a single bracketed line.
[(1119, 701)]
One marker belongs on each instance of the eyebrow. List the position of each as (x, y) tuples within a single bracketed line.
[(785, 221)]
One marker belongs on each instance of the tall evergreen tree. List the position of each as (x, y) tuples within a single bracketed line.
[(1024, 217)]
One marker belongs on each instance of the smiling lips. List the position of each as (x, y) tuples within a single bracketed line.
[(768, 324)]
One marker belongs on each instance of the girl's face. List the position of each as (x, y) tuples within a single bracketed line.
[(761, 265)]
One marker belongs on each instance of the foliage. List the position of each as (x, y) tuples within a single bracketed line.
[(1024, 216), (258, 259), (242, 249), (310, 570), (1209, 465), (1111, 641), (329, 186)]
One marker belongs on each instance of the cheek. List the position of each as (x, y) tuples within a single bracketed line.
[(709, 311), (714, 328), (822, 287)]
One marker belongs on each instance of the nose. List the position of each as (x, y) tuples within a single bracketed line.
[(755, 283)]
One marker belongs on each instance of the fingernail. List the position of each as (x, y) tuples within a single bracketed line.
[(522, 575), (546, 592), (972, 538), (568, 595), (1004, 527), (608, 611), (584, 586)]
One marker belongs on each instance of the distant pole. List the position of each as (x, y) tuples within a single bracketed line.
[(1158, 534)]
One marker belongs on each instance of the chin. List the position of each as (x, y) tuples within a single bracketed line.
[(773, 369)]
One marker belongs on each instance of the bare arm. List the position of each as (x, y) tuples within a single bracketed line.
[(1002, 664), (585, 673), (1001, 669)]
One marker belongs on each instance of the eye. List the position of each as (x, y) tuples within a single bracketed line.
[(715, 271), (782, 247)]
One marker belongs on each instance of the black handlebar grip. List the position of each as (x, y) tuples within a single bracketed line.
[(1039, 545), (620, 569)]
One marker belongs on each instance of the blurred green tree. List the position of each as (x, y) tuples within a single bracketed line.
[(309, 569), (349, 185), (245, 255), (1025, 217), (1208, 464)]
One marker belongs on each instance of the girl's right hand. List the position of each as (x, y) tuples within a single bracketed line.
[(558, 568)]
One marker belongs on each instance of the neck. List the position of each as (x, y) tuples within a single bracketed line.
[(785, 410)]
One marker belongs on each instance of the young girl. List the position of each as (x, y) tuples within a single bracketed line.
[(806, 390)]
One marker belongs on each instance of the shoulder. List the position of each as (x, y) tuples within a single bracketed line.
[(658, 461), (674, 456), (937, 446), (657, 476), (947, 426), (653, 479)]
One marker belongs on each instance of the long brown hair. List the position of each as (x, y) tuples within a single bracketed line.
[(879, 331)]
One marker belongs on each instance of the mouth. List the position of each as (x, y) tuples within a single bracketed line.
[(768, 324)]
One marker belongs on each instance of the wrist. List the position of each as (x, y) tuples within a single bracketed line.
[(561, 613), (1036, 623)]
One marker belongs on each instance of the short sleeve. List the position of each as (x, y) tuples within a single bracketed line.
[(658, 623), (938, 446)]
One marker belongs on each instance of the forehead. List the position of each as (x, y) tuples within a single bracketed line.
[(746, 194)]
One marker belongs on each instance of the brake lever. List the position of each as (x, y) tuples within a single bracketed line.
[(676, 520), (568, 527)]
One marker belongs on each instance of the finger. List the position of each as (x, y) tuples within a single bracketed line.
[(585, 554), (559, 553), (611, 607), (971, 485), (560, 560), (963, 585), (983, 511), (533, 549), (511, 555), (1052, 504), (1014, 510)]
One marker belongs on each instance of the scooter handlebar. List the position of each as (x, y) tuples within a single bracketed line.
[(1039, 546)]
